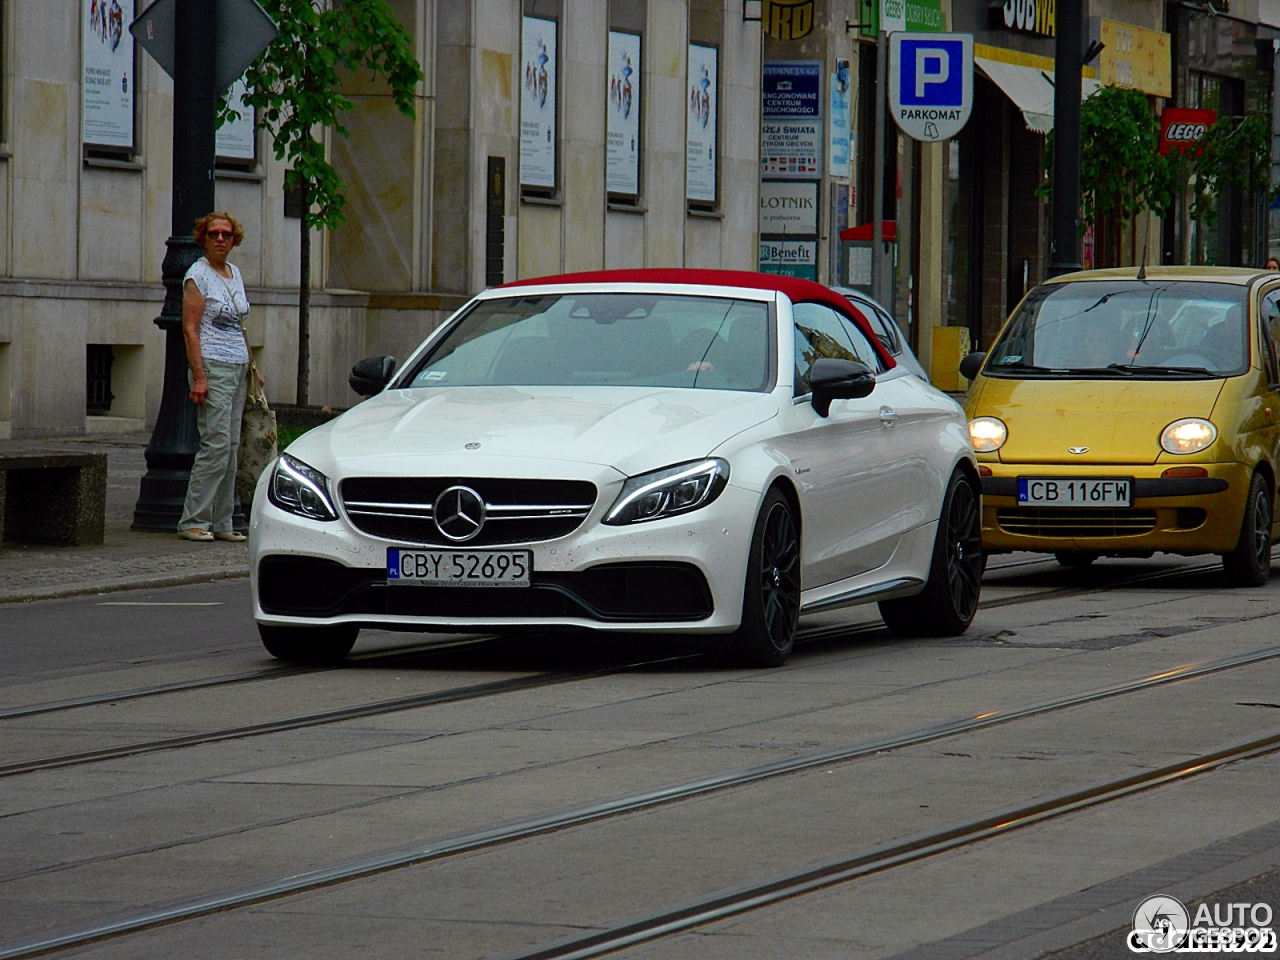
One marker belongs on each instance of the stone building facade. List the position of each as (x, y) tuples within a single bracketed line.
[(85, 191)]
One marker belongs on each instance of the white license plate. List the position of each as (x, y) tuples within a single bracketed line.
[(1075, 491), (459, 568)]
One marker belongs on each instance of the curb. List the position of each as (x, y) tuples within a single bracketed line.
[(116, 584)]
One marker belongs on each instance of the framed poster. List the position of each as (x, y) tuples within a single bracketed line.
[(235, 138), (622, 115), (108, 83), (538, 103), (700, 125)]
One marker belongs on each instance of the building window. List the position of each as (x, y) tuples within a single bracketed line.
[(236, 142), (97, 379), (624, 143), (109, 79), (539, 75), (702, 126)]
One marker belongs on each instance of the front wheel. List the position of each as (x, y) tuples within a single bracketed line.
[(1249, 564), (947, 605), (771, 598), (308, 644)]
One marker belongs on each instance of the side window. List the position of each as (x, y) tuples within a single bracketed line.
[(1270, 316), (820, 332), (862, 347)]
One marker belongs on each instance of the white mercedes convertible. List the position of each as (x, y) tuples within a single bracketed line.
[(663, 451)]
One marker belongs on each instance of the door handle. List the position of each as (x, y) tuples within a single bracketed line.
[(887, 416)]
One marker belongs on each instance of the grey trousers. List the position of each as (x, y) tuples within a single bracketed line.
[(211, 491)]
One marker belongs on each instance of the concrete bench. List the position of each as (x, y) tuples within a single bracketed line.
[(53, 497)]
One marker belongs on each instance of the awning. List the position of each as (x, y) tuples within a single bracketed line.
[(1030, 89)]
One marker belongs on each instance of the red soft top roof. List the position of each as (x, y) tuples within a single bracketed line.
[(797, 290)]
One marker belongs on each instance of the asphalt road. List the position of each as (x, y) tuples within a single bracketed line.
[(470, 797)]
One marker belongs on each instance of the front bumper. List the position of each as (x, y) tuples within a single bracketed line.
[(1168, 515), (684, 574)]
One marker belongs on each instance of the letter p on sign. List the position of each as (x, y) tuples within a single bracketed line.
[(933, 65)]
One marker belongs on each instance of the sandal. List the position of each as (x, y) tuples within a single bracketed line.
[(204, 536), (230, 536)]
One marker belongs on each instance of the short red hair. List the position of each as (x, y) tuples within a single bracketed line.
[(202, 228)]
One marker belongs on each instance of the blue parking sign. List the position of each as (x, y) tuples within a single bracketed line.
[(929, 78), (930, 83)]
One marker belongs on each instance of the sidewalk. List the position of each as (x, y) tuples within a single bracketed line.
[(127, 560)]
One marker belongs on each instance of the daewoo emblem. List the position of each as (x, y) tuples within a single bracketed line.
[(1077, 450), (459, 513)]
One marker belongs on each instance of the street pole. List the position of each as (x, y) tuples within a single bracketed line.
[(175, 439), (1064, 255), (880, 275)]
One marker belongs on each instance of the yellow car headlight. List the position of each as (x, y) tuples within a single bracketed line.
[(988, 434), (1190, 435)]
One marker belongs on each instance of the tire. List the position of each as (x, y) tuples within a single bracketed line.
[(1249, 564), (1077, 560), (771, 597), (947, 605), (308, 644)]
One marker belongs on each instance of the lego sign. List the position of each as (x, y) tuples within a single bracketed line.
[(1181, 128)]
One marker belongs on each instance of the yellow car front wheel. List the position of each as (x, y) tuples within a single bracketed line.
[(1249, 564)]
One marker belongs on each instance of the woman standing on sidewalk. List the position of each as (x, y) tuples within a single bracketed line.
[(214, 307)]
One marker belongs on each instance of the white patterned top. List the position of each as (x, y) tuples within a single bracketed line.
[(225, 307)]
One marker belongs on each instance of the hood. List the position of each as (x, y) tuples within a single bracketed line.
[(632, 429), (1118, 420)]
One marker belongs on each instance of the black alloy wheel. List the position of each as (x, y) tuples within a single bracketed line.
[(309, 644), (771, 598), (949, 601), (1249, 564)]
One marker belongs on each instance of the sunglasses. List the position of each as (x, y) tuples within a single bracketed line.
[(220, 234)]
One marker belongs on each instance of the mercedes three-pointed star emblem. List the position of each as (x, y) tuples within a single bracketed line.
[(459, 513)]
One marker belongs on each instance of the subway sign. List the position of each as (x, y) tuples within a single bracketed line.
[(1025, 16)]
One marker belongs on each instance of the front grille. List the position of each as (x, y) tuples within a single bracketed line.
[(1076, 523), (516, 511), (643, 592)]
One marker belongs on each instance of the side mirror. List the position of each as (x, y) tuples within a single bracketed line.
[(832, 379), (971, 364), (371, 374)]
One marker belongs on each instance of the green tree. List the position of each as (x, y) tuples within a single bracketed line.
[(1121, 170), (1235, 150), (294, 86)]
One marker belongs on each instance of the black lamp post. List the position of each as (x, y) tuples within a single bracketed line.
[(1069, 26), (175, 440)]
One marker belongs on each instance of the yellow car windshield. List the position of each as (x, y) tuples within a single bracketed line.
[(1126, 328)]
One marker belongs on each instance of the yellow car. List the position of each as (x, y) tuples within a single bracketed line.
[(1121, 414)]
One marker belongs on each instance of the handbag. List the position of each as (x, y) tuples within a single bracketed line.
[(258, 429), (257, 438)]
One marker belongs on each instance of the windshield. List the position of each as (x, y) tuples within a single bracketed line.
[(1152, 328), (604, 339)]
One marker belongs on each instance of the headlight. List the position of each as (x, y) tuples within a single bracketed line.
[(665, 493), (1188, 436), (300, 489), (988, 434)]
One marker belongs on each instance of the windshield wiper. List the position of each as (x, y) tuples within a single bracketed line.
[(1157, 368), (1022, 365)]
